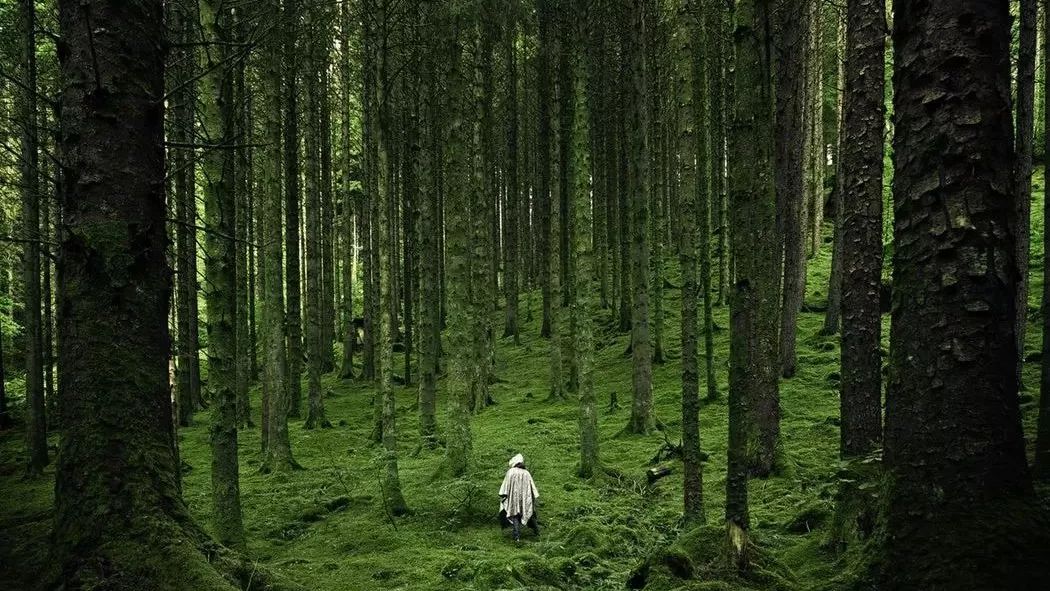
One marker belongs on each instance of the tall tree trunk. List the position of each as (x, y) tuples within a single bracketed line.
[(393, 500), (862, 155), (314, 294), (952, 341), (346, 371), (693, 236), (513, 190), (546, 18), (834, 311), (182, 23), (429, 166), (113, 274), (584, 277), (624, 208), (719, 75), (753, 344), (457, 185), (792, 29), (641, 420), (242, 183), (1029, 10), (36, 420), (328, 217), (47, 361), (814, 136), (277, 401), (220, 208), (292, 205), (1041, 468), (754, 410)]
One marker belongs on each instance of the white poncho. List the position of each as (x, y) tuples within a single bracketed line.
[(518, 493)]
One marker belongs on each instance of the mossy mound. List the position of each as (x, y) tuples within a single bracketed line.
[(698, 559)]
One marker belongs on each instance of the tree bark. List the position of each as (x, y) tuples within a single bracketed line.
[(115, 397), (1026, 55), (546, 18), (792, 29), (220, 264), (314, 293), (641, 420), (277, 402), (1041, 468), (862, 155), (291, 159), (952, 341), (36, 420)]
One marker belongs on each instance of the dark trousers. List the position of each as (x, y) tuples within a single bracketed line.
[(515, 522)]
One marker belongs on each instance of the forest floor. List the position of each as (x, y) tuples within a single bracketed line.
[(326, 527)]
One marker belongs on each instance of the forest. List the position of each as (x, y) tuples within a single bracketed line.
[(758, 288)]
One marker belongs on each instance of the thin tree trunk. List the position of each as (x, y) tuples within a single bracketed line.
[(792, 29), (1024, 141), (220, 207), (513, 191), (545, 16), (277, 402), (1041, 468), (36, 420), (862, 155), (754, 411), (693, 236), (831, 317), (314, 294), (641, 420), (292, 207), (456, 185), (346, 371)]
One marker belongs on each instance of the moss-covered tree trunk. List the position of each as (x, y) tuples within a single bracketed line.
[(182, 24), (512, 184), (277, 402), (754, 410), (220, 264), (328, 215), (1041, 468), (242, 196), (117, 425), (457, 269), (585, 278), (1024, 141), (36, 420), (314, 294), (546, 17), (393, 499), (429, 165), (715, 17), (813, 149), (693, 100), (349, 330), (792, 29), (956, 519), (862, 155), (834, 312), (292, 203), (641, 421)]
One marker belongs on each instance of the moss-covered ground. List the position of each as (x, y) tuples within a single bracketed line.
[(326, 526)]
